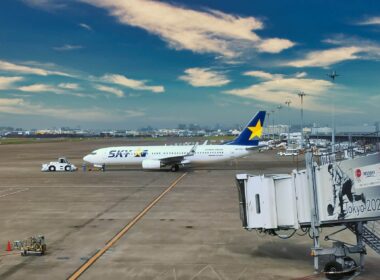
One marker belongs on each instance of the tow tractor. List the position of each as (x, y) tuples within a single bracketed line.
[(61, 165)]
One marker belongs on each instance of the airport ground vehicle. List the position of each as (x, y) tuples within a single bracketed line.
[(289, 152), (31, 245), (61, 165)]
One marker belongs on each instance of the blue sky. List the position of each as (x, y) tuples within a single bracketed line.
[(133, 63)]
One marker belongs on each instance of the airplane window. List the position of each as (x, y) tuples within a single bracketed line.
[(93, 153)]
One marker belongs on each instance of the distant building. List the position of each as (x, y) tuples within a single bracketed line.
[(321, 130), (276, 129)]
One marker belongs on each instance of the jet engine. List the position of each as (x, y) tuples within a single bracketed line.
[(151, 164)]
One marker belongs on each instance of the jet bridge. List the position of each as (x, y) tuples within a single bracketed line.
[(344, 194)]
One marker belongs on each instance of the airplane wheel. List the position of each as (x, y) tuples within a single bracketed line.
[(51, 168), (67, 168), (174, 168)]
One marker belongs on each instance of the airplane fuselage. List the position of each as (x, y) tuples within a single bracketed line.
[(135, 155)]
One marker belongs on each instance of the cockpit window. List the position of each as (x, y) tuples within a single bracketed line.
[(93, 153)]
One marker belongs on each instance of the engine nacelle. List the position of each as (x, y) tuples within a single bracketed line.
[(151, 164)]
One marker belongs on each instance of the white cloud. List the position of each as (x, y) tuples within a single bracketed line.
[(263, 75), (23, 69), (275, 45), (326, 57), (115, 91), (85, 26), (10, 101), (278, 90), (18, 106), (46, 4), (72, 86), (300, 74), (61, 89), (38, 88), (347, 48), (8, 82), (130, 83), (199, 31), (204, 77), (370, 21), (68, 47)]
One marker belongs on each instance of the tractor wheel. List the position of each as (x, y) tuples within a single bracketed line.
[(332, 270)]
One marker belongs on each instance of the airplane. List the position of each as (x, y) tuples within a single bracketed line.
[(157, 157)]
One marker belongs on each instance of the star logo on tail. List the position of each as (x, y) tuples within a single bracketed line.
[(256, 130)]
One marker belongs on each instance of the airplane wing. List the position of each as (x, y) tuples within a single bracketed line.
[(179, 159)]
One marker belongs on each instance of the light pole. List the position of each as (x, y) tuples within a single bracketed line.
[(332, 76), (273, 124), (279, 107), (301, 94), (287, 102), (268, 115)]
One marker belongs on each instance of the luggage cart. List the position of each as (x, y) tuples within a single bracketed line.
[(34, 245)]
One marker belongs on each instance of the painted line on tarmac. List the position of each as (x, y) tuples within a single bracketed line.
[(123, 231), (23, 190)]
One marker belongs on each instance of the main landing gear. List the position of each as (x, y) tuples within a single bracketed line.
[(174, 168)]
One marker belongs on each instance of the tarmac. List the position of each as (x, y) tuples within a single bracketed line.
[(193, 232)]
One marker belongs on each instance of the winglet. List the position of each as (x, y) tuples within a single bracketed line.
[(193, 150)]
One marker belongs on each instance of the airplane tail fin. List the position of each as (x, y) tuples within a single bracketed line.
[(252, 132)]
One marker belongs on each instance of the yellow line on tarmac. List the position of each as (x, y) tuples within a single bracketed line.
[(110, 243)]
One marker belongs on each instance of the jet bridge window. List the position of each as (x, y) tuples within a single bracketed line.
[(257, 198)]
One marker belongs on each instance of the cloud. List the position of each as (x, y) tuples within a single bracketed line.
[(63, 88), (71, 86), (263, 75), (68, 47), (326, 57), (85, 26), (204, 77), (278, 89), (130, 83), (275, 45), (46, 4), (38, 88), (8, 82), (199, 31), (300, 74), (18, 106), (370, 21), (115, 91), (10, 101), (347, 48), (24, 69)]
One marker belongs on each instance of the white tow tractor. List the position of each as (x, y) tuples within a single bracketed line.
[(61, 165)]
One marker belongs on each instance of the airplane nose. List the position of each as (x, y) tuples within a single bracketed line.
[(87, 158)]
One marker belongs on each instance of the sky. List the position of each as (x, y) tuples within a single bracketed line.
[(133, 63)]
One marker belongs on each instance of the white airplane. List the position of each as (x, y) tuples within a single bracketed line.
[(157, 157)]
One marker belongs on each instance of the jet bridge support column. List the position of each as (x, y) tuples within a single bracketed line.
[(360, 243), (310, 171)]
